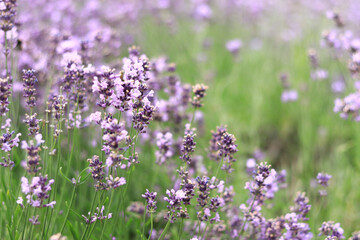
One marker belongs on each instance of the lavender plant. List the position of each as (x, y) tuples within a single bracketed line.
[(100, 141)]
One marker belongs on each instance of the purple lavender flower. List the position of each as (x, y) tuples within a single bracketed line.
[(233, 46), (150, 199), (355, 236), (272, 228), (7, 162), (188, 145), (97, 172), (174, 204), (115, 182), (331, 229), (338, 86), (97, 215), (204, 191), (33, 124), (115, 137), (5, 93), (289, 96), (30, 80), (323, 179), (33, 154), (199, 91), (7, 142), (7, 14), (295, 229), (301, 207), (142, 118), (263, 176), (103, 85), (223, 146), (336, 17), (36, 192), (164, 143), (34, 220), (349, 106)]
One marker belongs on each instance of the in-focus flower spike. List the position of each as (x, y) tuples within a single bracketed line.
[(103, 85), (188, 144), (199, 91), (7, 14), (97, 172), (174, 199), (5, 93), (150, 199), (7, 142), (223, 146), (29, 80), (33, 124)]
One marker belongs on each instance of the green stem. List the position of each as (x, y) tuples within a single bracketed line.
[(92, 206), (151, 223), (44, 226), (56, 175), (68, 210), (181, 228), (162, 236), (108, 210), (92, 229), (26, 220), (143, 231), (219, 167)]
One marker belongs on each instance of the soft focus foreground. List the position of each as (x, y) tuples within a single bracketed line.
[(179, 119)]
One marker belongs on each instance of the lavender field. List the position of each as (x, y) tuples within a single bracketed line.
[(165, 119)]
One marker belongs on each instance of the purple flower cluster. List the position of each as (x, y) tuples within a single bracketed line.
[(199, 91), (174, 199), (98, 174), (33, 154), (98, 215), (164, 143), (33, 124), (114, 137), (349, 106), (36, 192), (223, 147), (7, 141), (7, 162), (323, 179), (30, 80), (150, 199), (7, 14), (5, 93), (188, 144), (331, 229)]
